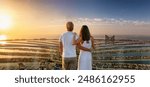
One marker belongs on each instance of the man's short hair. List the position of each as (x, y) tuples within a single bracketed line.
[(70, 26)]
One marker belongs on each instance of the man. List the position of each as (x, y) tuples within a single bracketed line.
[(68, 50)]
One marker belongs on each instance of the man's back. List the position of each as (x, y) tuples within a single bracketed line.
[(69, 50)]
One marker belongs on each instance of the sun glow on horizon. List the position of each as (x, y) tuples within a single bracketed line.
[(3, 37), (5, 21)]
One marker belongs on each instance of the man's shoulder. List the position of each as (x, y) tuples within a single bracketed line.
[(67, 33), (64, 33)]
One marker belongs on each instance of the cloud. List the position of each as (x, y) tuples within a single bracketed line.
[(101, 21)]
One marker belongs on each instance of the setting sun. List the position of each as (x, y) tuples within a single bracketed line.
[(5, 21)]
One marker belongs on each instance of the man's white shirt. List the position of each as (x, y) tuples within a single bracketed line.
[(69, 50)]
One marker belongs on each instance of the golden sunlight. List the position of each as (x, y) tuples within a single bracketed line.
[(3, 37), (5, 21)]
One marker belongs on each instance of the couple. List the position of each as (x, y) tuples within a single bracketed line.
[(69, 41)]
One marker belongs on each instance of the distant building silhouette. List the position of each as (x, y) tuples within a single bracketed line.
[(109, 40)]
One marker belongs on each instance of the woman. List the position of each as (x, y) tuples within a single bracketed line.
[(87, 41)]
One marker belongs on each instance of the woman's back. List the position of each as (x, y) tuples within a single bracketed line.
[(85, 57), (87, 44)]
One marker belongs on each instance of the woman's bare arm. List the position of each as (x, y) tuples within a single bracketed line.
[(78, 43), (81, 47)]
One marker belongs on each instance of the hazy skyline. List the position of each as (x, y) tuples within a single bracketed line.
[(41, 18)]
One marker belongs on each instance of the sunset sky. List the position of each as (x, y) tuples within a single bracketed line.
[(43, 18)]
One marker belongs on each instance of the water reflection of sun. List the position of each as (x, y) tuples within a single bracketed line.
[(2, 38)]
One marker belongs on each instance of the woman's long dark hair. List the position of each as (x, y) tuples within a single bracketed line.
[(85, 33)]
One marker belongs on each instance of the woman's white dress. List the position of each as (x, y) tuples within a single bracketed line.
[(85, 57)]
